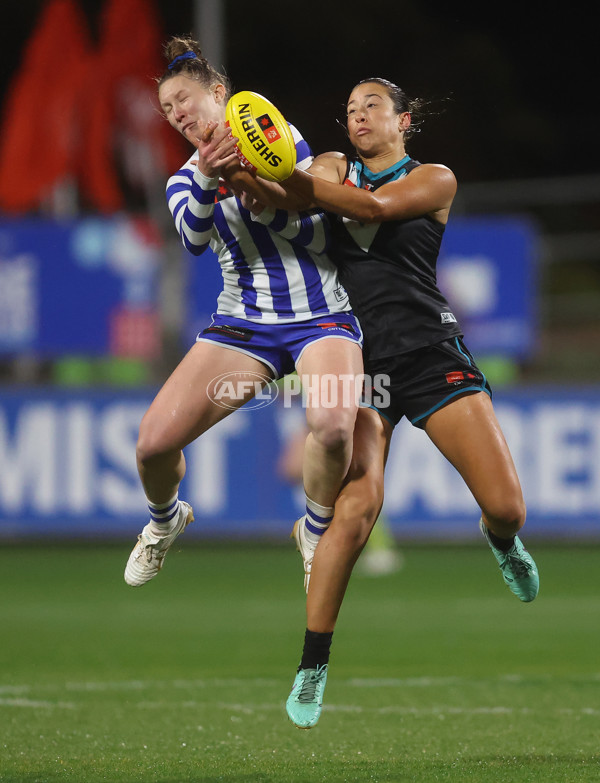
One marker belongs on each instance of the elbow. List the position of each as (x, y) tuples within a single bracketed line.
[(194, 242), (371, 212), (195, 250), (375, 213), (198, 250)]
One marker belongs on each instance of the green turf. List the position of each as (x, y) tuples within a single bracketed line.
[(438, 673)]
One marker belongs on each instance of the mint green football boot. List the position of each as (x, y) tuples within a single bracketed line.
[(305, 702), (518, 567)]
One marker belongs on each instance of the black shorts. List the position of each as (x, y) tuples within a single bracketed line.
[(423, 381)]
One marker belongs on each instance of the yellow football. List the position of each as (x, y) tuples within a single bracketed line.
[(266, 145)]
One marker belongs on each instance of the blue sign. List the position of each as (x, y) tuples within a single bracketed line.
[(67, 467), (487, 270), (70, 287)]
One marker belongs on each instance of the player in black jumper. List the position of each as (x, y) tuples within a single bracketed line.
[(389, 214)]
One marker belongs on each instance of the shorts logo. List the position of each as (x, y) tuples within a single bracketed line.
[(265, 123), (448, 318), (335, 325), (458, 376), (237, 332)]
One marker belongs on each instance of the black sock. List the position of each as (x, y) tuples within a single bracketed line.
[(316, 649), (503, 544)]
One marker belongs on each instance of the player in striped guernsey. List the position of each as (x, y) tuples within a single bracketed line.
[(282, 309), (263, 281)]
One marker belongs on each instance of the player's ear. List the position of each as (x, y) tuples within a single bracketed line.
[(219, 92), (404, 121)]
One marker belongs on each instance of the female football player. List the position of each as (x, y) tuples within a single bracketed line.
[(282, 308), (391, 213)]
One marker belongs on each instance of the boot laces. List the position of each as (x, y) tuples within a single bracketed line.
[(309, 684), (517, 565)]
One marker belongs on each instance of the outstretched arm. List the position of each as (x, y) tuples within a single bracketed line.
[(428, 190), (281, 195), (271, 194)]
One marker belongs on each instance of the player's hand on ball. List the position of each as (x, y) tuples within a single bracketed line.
[(216, 147)]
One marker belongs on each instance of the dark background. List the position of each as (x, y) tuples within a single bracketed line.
[(515, 82)]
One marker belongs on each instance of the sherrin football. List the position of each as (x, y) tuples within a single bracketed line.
[(266, 145)]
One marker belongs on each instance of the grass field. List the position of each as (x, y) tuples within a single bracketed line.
[(437, 673)]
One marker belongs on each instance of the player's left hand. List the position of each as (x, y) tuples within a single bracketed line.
[(216, 147)]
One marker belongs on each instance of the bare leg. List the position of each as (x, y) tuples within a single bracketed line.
[(328, 449), (181, 412), (468, 434), (356, 511)]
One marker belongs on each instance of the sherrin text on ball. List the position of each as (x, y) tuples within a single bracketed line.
[(266, 145)]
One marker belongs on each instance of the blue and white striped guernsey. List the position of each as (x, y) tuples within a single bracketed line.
[(274, 265)]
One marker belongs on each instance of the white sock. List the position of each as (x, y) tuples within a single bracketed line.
[(163, 514), (317, 520)]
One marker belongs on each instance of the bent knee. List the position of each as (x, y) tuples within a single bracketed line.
[(332, 429), (152, 444)]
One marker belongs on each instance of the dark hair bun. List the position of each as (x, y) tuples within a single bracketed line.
[(181, 45)]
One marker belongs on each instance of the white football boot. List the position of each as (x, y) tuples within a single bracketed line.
[(147, 556), (305, 547)]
